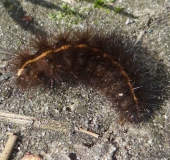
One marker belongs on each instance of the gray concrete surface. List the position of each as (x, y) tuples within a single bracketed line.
[(149, 141)]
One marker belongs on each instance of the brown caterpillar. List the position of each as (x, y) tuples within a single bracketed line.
[(108, 62)]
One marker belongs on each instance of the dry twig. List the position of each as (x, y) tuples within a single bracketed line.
[(88, 132), (34, 122), (8, 147)]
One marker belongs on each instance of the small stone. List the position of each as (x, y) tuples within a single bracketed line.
[(129, 21)]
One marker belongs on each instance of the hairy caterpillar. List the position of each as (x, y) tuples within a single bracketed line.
[(108, 62)]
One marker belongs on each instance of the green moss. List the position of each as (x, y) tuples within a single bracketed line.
[(118, 9), (64, 6), (67, 9), (67, 13), (98, 3)]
